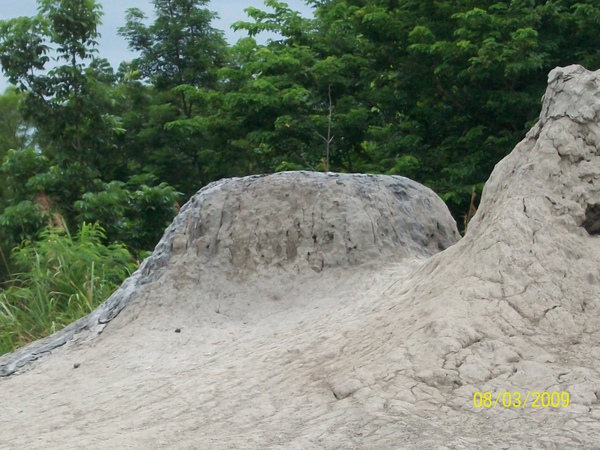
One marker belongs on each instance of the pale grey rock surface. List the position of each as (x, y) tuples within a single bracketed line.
[(381, 346)]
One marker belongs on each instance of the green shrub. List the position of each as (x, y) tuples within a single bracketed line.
[(60, 279)]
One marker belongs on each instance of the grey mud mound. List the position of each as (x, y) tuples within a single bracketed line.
[(257, 323), (285, 224)]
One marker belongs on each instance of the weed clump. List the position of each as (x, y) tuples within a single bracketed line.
[(60, 279)]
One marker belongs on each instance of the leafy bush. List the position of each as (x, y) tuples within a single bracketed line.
[(61, 279), (135, 213)]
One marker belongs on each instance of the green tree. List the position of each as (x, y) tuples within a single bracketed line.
[(179, 48), (74, 108), (180, 54), (67, 105), (290, 100), (15, 132), (450, 87)]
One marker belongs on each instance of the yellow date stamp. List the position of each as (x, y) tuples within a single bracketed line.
[(532, 399)]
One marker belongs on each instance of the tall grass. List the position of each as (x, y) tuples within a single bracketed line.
[(59, 279)]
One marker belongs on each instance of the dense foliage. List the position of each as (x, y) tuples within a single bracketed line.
[(438, 91), (59, 279)]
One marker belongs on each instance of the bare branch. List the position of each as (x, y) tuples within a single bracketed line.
[(329, 137)]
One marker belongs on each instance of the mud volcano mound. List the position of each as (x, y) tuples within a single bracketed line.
[(287, 226), (301, 220), (326, 311)]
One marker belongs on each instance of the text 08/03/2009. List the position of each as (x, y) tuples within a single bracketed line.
[(533, 399)]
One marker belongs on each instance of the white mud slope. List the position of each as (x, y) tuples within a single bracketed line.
[(313, 311)]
